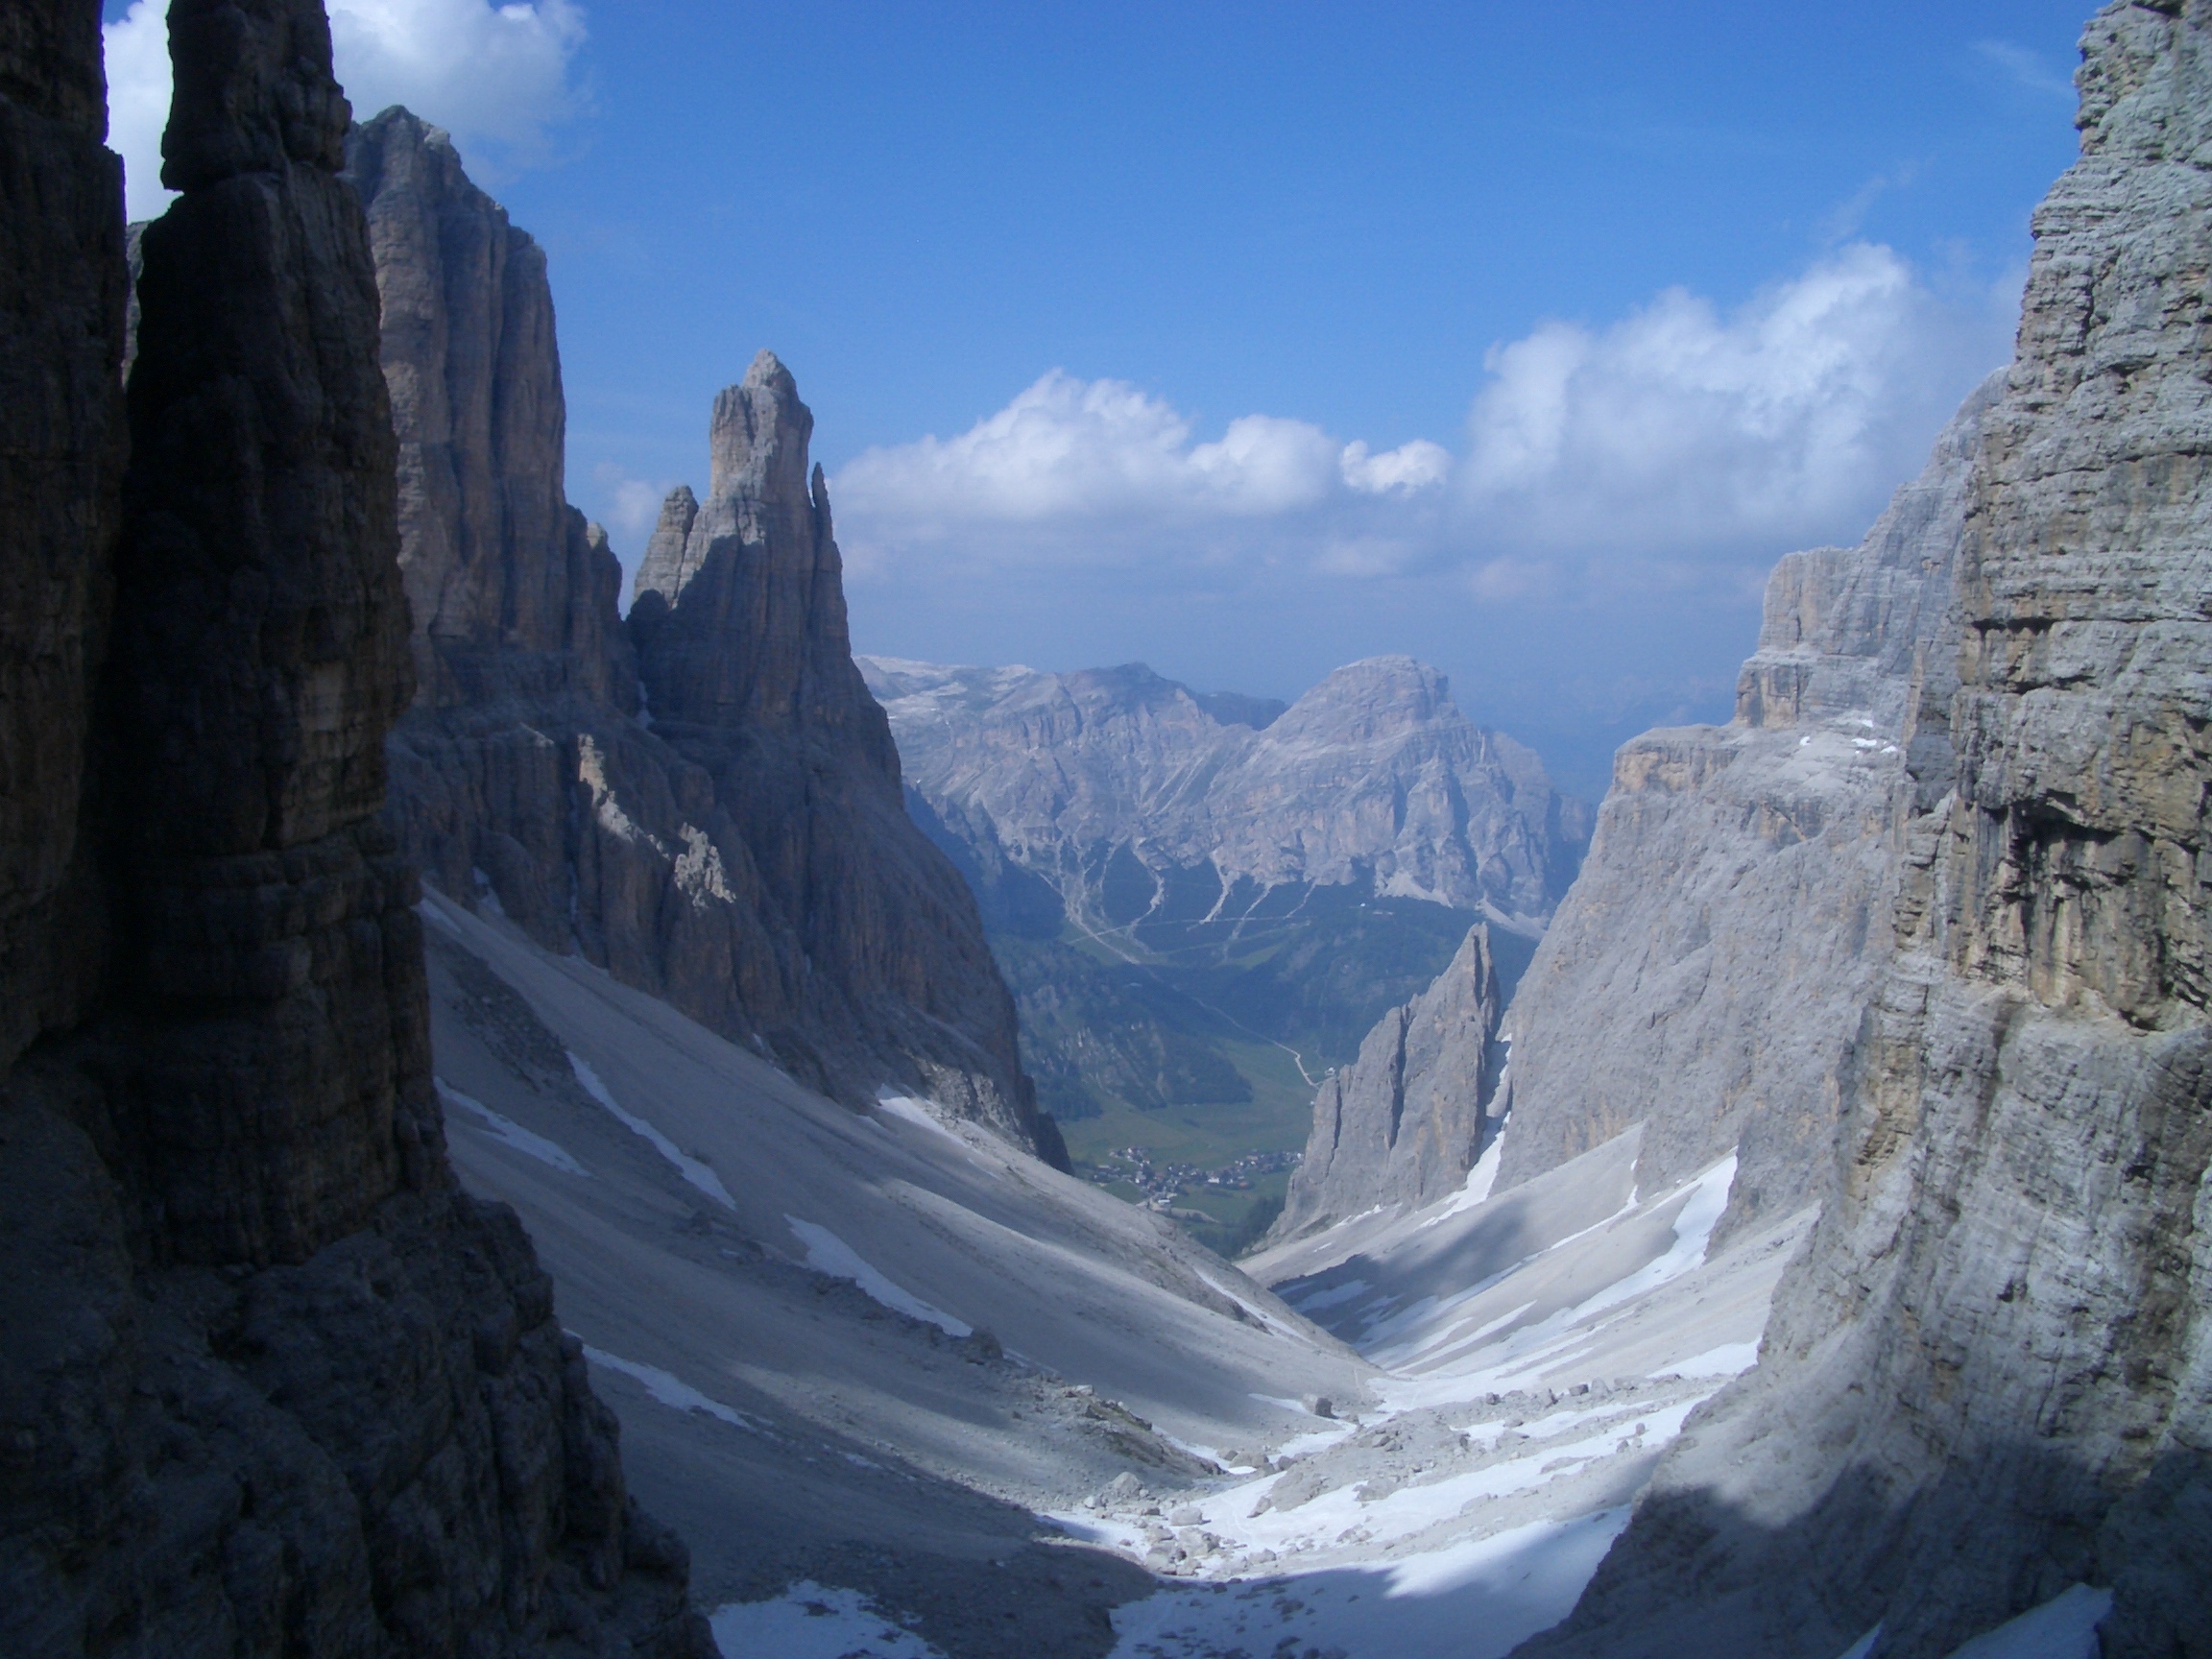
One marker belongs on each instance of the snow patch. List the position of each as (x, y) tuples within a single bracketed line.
[(2063, 1627), (807, 1621), (671, 1390), (1476, 1599), (699, 1174), (1729, 1360), (1479, 1180), (1253, 1308), (1693, 1231), (506, 1129), (827, 1253)]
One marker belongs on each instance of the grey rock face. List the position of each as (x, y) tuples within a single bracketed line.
[(1404, 1124), (270, 1383), (733, 856), (503, 578), (1373, 773), (1991, 1371), (874, 945), (1708, 971)]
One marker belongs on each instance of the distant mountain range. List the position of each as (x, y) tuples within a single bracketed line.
[(1204, 898)]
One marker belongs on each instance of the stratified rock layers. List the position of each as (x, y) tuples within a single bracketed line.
[(1990, 1375), (742, 853), (270, 1383), (1405, 1123)]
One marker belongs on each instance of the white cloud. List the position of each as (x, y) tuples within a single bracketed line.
[(2026, 69), (495, 75), (138, 51), (498, 77), (1069, 448), (1680, 448), (1409, 467), (1099, 465), (1680, 431), (629, 507)]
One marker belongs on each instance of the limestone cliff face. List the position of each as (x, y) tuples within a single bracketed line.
[(1990, 1374), (1708, 971), (270, 1383), (61, 449), (1405, 1123), (869, 946), (510, 591), (743, 851)]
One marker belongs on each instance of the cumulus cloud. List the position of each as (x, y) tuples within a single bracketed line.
[(1068, 448), (1679, 428), (1678, 447), (493, 76), (498, 77), (1088, 466)]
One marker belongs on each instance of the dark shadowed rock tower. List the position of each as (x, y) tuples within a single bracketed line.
[(743, 650), (271, 1383), (736, 843)]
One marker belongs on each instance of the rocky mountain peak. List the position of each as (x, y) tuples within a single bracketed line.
[(273, 1382), (1983, 1378), (254, 91), (1368, 701), (756, 440)]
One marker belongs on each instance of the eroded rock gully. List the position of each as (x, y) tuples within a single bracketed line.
[(705, 800), (270, 1383)]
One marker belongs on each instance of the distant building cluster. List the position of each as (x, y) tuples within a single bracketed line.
[(1163, 1182)]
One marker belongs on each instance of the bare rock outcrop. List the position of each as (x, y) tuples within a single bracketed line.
[(732, 852), (1404, 1124), (270, 1383), (1708, 971), (1989, 1375)]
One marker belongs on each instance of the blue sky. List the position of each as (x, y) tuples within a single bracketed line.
[(1250, 339)]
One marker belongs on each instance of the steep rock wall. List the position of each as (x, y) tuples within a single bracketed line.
[(743, 648), (730, 853), (1990, 1374), (1708, 971), (1405, 1123), (272, 1384)]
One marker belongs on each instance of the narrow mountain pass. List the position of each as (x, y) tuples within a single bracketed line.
[(882, 1364)]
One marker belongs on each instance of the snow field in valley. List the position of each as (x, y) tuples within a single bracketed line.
[(774, 1291), (1542, 1349)]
